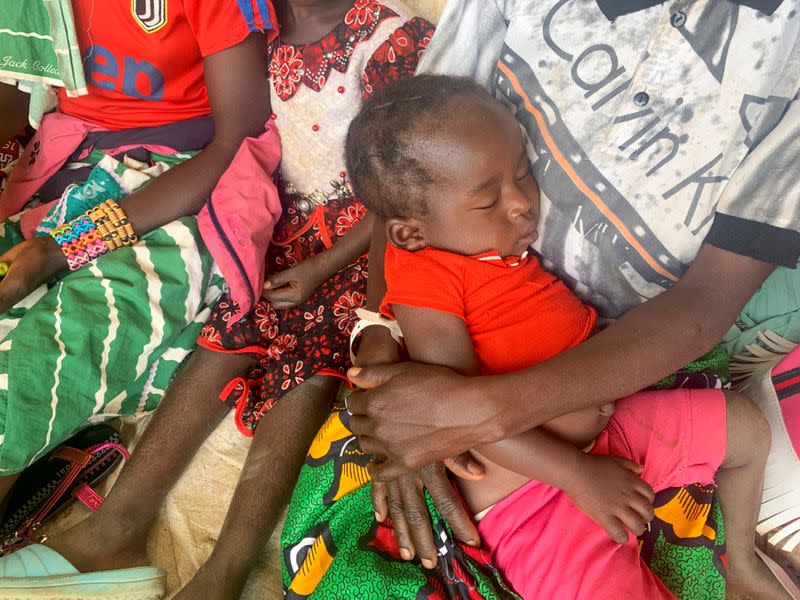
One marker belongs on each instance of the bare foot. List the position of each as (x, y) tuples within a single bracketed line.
[(101, 546), (210, 583), (751, 578)]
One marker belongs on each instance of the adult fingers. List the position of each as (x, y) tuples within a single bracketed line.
[(380, 500), (13, 286), (633, 521), (371, 377), (419, 520), (396, 509), (444, 497), (615, 529), (387, 470)]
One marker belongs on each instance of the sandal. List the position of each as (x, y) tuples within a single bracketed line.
[(53, 481), (37, 572), (781, 574)]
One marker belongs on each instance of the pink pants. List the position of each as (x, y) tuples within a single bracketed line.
[(546, 548)]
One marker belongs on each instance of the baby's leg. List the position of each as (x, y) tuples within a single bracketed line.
[(279, 447), (740, 479)]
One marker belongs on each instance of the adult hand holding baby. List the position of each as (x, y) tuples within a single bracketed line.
[(402, 498), (415, 414)]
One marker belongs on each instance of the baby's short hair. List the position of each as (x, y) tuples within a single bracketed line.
[(386, 175)]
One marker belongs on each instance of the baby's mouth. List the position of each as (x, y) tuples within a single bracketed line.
[(529, 236)]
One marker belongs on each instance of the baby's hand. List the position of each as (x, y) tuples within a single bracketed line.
[(610, 492), (297, 284), (465, 466)]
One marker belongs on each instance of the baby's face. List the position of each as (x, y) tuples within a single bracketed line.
[(484, 197)]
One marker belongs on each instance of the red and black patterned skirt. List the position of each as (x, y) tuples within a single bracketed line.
[(293, 344)]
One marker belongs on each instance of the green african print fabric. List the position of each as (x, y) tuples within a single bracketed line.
[(333, 549), (103, 340)]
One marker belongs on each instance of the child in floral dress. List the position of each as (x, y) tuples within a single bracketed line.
[(316, 263)]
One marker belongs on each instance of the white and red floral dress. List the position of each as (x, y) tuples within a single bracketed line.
[(316, 90)]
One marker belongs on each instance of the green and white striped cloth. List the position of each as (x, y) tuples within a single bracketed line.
[(39, 51), (105, 340)]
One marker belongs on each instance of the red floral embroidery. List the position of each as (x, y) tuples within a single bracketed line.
[(311, 64), (317, 347), (286, 70), (293, 374), (345, 310), (226, 310), (349, 217), (359, 273), (266, 320), (210, 334), (282, 344), (313, 317), (363, 13), (397, 56), (423, 44)]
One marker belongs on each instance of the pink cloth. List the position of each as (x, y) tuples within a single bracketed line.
[(40, 161), (786, 381), (547, 548), (237, 222)]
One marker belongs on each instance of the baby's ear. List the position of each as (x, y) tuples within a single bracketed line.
[(405, 233)]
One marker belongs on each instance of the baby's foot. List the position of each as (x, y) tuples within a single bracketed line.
[(751, 578)]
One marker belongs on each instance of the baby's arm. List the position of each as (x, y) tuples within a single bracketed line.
[(297, 284), (606, 488)]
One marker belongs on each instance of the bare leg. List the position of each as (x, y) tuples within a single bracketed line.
[(740, 480), (187, 416), (279, 447)]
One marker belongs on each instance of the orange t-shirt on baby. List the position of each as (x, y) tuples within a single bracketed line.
[(517, 314)]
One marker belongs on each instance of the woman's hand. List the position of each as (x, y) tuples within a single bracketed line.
[(415, 414), (30, 264), (609, 491), (403, 500), (297, 284)]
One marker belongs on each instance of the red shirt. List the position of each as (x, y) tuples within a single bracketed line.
[(517, 314), (143, 59)]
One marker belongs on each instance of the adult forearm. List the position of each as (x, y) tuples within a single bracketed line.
[(646, 344), (180, 191)]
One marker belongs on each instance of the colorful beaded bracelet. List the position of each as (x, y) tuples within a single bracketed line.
[(113, 224), (79, 241)]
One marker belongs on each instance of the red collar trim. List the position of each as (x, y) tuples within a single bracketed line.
[(494, 258), (310, 64)]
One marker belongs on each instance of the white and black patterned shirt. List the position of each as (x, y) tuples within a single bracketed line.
[(653, 127)]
